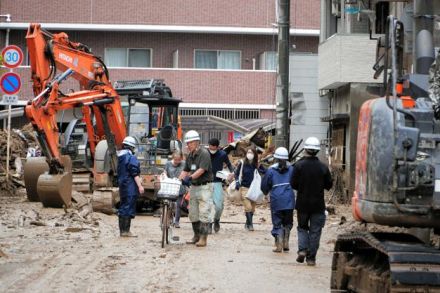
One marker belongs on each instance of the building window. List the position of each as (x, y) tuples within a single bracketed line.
[(123, 57), (268, 60), (217, 59)]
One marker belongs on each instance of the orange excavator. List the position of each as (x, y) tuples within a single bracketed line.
[(49, 179)]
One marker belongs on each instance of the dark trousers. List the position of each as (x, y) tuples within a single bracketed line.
[(281, 220), (309, 232), (127, 206), (177, 213)]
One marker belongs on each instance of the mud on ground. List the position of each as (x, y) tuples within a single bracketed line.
[(42, 249)]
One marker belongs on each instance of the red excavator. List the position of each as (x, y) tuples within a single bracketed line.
[(397, 175), (149, 108), (49, 179)]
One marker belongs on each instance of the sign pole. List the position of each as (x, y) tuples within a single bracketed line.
[(12, 58), (8, 144)]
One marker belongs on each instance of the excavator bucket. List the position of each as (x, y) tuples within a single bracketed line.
[(34, 167), (53, 190)]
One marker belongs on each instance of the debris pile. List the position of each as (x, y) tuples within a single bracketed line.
[(338, 195), (256, 139), (21, 141), (79, 216)]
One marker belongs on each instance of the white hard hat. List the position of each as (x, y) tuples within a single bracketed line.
[(191, 135), (312, 143), (130, 141), (281, 153)]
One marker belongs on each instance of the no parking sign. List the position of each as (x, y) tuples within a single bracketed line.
[(10, 83)]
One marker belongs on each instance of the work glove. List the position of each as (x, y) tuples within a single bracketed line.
[(237, 185), (187, 181)]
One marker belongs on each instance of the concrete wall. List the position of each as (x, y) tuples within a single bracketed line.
[(304, 84), (348, 100), (346, 59)]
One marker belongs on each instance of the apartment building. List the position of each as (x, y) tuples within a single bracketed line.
[(218, 56)]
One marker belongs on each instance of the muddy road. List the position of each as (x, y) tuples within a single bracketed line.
[(42, 251)]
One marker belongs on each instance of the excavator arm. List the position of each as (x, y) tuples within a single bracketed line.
[(96, 98)]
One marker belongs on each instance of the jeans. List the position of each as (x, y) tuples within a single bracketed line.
[(309, 232), (280, 220), (218, 199)]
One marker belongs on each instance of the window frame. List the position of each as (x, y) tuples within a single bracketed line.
[(127, 50), (217, 55)]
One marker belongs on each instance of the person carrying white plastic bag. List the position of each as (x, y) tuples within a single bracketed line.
[(254, 192), (247, 168)]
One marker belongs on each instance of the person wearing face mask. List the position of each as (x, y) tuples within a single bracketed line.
[(282, 198), (219, 158), (130, 185), (172, 169), (250, 164)]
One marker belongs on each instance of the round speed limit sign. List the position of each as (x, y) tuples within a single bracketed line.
[(12, 56)]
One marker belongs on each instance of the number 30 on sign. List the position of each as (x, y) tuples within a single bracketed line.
[(12, 56)]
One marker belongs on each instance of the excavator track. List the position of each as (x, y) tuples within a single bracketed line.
[(384, 262)]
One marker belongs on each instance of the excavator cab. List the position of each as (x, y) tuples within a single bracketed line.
[(151, 115)]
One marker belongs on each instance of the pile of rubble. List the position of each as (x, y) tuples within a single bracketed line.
[(79, 216), (21, 141)]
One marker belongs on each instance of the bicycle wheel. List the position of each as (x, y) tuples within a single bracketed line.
[(164, 224)]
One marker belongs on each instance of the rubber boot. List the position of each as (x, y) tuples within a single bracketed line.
[(251, 225), (216, 226), (121, 226), (210, 228), (286, 237), (246, 226), (127, 224), (196, 230), (278, 244), (203, 235)]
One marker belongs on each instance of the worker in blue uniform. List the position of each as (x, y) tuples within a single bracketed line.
[(130, 185), (282, 198)]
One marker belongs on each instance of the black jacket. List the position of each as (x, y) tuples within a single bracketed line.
[(310, 179)]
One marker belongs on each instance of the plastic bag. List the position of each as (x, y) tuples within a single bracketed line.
[(167, 187), (254, 193), (232, 194)]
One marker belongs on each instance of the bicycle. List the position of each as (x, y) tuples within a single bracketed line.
[(167, 191)]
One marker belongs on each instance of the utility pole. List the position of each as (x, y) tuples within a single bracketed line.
[(282, 92)]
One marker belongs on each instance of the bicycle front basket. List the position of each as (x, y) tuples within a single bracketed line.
[(167, 189)]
